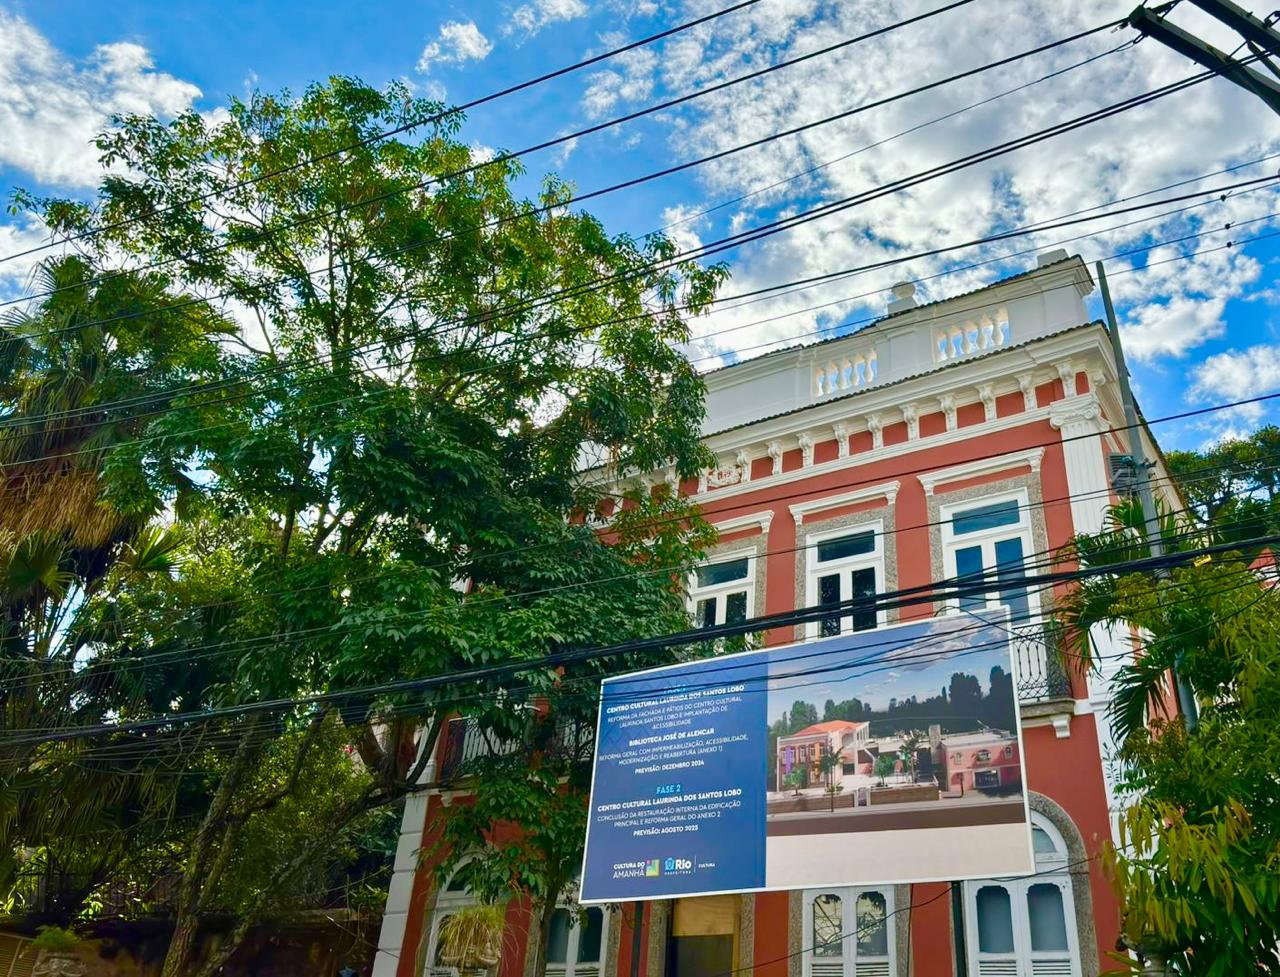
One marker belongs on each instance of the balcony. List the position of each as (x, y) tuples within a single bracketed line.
[(466, 747), (1039, 664)]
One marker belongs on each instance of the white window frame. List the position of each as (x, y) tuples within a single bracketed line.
[(446, 902), (987, 539), (1050, 869), (570, 967), (722, 591), (849, 965), (814, 570)]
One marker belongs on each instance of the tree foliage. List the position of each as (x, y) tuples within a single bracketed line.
[(1198, 868), (377, 473)]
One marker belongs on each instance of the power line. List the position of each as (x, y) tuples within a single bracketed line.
[(689, 218), (882, 662), (625, 184), (770, 228), (917, 470), (403, 128), (505, 157), (768, 291), (904, 597), (116, 665)]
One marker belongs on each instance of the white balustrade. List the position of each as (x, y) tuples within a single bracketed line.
[(981, 334), (849, 373)]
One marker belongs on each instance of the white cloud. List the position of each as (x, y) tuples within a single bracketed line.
[(565, 151), (1236, 374), (458, 42), (1167, 309), (52, 107), (631, 79), (17, 236), (530, 18)]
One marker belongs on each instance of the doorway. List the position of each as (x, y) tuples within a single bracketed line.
[(704, 937)]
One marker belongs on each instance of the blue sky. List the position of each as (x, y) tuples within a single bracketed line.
[(1200, 331)]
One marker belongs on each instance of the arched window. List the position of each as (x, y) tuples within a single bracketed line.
[(1025, 927), (453, 895), (847, 933)]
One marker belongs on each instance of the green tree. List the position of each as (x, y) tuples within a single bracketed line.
[(910, 745), (827, 764), (802, 714), (64, 549), (885, 765), (1198, 870), (1233, 486), (395, 443)]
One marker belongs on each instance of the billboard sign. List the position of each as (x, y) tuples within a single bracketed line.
[(883, 756)]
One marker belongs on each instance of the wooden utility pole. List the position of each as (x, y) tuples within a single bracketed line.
[(1261, 40)]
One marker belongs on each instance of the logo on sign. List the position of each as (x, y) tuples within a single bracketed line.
[(672, 865), (651, 868)]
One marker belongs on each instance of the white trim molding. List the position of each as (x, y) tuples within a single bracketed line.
[(1032, 458), (1078, 409), (763, 519), (888, 491)]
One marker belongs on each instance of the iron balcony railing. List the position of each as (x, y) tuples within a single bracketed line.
[(466, 746), (1039, 663)]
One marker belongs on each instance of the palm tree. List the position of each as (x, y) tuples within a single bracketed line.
[(81, 375), (827, 763), (1131, 600), (910, 744)]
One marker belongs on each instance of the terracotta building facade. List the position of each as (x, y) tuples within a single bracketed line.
[(968, 436)]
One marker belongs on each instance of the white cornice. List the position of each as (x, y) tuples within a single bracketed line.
[(763, 519), (983, 466), (872, 457), (888, 491), (965, 377)]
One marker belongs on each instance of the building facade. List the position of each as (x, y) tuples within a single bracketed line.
[(966, 438)]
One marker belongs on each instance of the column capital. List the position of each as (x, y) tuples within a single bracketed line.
[(1083, 410)]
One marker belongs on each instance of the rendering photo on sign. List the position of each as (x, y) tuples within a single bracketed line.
[(879, 756)]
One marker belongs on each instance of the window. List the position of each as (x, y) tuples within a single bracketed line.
[(1025, 928), (984, 756), (575, 942), (845, 565), (1008, 752), (721, 592), (453, 895), (988, 542), (846, 933)]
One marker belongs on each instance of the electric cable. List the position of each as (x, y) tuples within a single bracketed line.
[(768, 291), (773, 227), (115, 665), (405, 127), (525, 214), (328, 630), (903, 597), (505, 157), (917, 470)]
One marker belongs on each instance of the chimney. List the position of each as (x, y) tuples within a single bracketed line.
[(904, 297), (935, 735), (1051, 257)]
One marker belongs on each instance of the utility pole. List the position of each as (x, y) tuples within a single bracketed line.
[(1186, 698), (1257, 34)]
